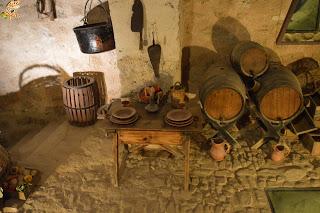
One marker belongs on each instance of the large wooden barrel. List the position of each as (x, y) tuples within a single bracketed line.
[(279, 97), (80, 98), (222, 95), (249, 59)]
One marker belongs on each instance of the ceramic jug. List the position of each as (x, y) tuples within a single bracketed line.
[(219, 149), (280, 152)]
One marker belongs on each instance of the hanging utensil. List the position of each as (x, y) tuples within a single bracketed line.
[(137, 20), (154, 52)]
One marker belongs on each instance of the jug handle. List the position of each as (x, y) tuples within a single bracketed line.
[(288, 150), (228, 147)]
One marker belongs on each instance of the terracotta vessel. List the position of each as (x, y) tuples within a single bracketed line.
[(280, 152), (219, 149)]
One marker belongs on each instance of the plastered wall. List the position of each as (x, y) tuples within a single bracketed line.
[(29, 40), (207, 29)]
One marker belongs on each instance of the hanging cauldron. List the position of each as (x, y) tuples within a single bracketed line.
[(95, 38)]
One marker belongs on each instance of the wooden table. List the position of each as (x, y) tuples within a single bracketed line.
[(151, 129)]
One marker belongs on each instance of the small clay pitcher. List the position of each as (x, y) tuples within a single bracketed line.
[(219, 149), (280, 152)]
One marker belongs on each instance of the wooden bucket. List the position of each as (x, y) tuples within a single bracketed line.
[(279, 97), (249, 59), (80, 98), (101, 83), (222, 95)]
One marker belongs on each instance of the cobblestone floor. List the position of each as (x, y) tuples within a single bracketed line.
[(153, 181)]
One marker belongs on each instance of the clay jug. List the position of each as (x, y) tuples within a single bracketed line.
[(280, 152), (219, 149)]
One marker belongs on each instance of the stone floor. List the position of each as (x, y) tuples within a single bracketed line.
[(81, 180)]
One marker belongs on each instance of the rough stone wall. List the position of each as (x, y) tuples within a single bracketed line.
[(210, 29)]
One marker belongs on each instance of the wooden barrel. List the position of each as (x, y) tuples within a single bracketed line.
[(279, 97), (222, 95), (249, 59), (80, 98), (101, 83)]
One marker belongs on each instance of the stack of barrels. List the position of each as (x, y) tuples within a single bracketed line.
[(273, 88)]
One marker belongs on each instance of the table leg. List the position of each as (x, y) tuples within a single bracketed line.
[(186, 163), (115, 150)]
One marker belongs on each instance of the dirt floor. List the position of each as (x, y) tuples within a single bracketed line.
[(77, 174)]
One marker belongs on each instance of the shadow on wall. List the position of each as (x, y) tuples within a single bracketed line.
[(227, 32), (61, 72), (33, 106)]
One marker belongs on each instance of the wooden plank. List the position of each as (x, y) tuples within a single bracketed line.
[(73, 106), (77, 105), (171, 150), (311, 143), (303, 123), (138, 148), (258, 144), (150, 137), (82, 104)]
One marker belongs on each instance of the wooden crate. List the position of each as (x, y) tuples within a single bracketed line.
[(303, 123)]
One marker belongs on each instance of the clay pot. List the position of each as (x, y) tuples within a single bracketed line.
[(219, 149), (280, 152)]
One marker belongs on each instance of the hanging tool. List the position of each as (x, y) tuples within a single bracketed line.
[(154, 52), (137, 20)]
